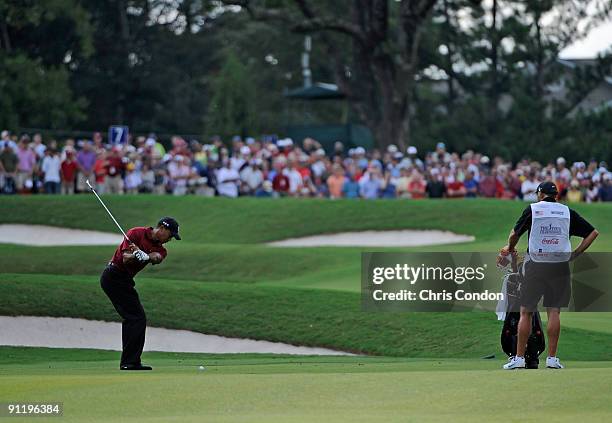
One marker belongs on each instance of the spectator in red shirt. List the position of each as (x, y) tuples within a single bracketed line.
[(454, 187), (417, 185), (68, 173), (490, 186), (280, 183), (114, 172), (100, 171), (303, 168)]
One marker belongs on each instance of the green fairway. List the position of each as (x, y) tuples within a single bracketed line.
[(221, 279), (305, 296), (295, 389), (251, 220), (298, 316)]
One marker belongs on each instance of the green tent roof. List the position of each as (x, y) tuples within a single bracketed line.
[(317, 91)]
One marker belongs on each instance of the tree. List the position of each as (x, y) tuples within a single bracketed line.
[(504, 58), (232, 108), (37, 43), (36, 96), (383, 38)]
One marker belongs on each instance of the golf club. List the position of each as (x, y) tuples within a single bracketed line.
[(107, 210)]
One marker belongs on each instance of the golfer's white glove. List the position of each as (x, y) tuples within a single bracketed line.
[(141, 256)]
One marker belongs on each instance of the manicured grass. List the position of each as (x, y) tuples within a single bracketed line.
[(219, 262), (265, 388), (250, 220), (325, 318), (221, 280), (269, 308)]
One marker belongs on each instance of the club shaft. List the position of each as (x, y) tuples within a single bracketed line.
[(108, 211)]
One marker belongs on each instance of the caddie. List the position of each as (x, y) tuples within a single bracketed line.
[(547, 273)]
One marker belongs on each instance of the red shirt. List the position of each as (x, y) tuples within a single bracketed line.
[(69, 169), (304, 172), (114, 166), (100, 171), (417, 188), (142, 237), (280, 183)]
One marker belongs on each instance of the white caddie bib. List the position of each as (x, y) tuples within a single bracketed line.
[(549, 238)]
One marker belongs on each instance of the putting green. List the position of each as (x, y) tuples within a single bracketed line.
[(272, 389)]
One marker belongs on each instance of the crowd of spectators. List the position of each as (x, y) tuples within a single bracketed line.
[(270, 167)]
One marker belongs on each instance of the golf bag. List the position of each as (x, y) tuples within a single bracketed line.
[(509, 337)]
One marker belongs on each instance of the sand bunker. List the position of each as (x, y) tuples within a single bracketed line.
[(403, 238), (64, 332), (40, 235)]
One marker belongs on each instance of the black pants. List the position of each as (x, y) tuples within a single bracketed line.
[(119, 287)]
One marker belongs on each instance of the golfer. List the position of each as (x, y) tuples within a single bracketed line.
[(145, 245), (550, 226)]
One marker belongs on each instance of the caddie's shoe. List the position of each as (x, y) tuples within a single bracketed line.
[(553, 363), (515, 363), (135, 367)]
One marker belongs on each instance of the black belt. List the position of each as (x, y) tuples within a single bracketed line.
[(114, 267)]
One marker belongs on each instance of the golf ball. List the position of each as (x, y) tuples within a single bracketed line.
[(201, 367)]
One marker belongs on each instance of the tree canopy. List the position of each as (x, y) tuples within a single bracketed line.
[(472, 73)]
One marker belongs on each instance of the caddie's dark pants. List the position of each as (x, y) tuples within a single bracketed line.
[(119, 287)]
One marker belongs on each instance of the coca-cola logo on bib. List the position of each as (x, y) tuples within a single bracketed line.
[(550, 241)]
